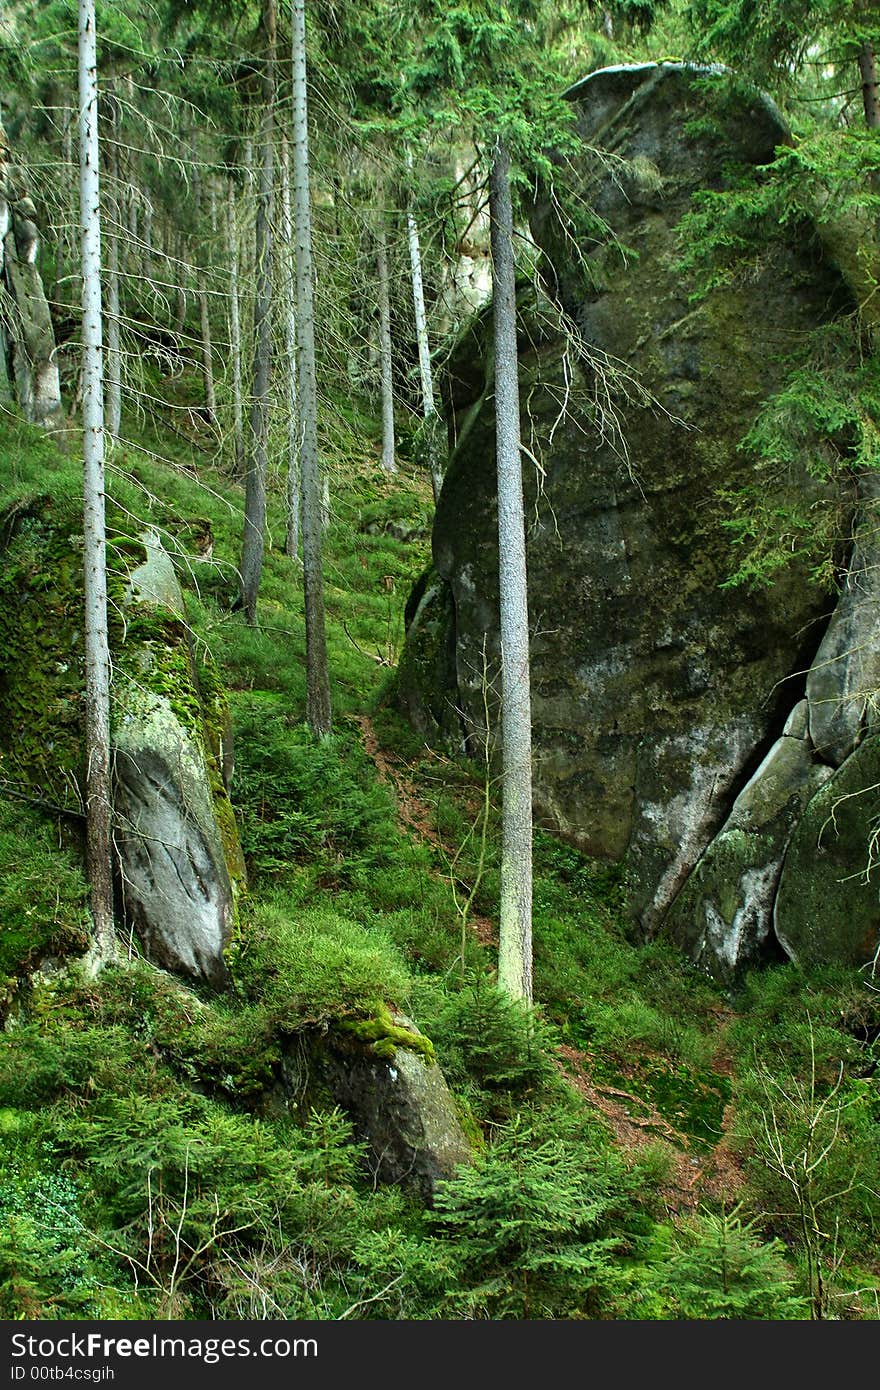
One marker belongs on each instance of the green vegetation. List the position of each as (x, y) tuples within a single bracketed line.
[(133, 1109)]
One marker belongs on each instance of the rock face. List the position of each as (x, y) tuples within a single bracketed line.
[(179, 856), (659, 697), (27, 338)]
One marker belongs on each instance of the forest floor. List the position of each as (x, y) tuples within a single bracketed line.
[(636, 1124)]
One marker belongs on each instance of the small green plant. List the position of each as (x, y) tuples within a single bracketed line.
[(716, 1266), (539, 1224)]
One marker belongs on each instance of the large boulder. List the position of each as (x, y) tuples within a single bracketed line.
[(180, 859), (723, 916), (398, 1100), (656, 692), (176, 844), (828, 904)]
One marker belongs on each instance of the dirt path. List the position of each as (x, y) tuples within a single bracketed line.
[(693, 1177)]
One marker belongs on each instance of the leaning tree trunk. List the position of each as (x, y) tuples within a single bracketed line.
[(433, 423), (317, 677), (97, 662), (515, 925), (291, 546), (385, 360), (258, 444)]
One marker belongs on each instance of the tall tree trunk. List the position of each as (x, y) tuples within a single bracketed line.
[(515, 926), (429, 409), (317, 677), (98, 805), (257, 450), (235, 335), (207, 351), (870, 86), (385, 364), (293, 443), (207, 348)]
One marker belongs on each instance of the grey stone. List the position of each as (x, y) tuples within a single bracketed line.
[(176, 887), (723, 917), (653, 686), (843, 686), (404, 1109), (180, 860), (828, 903)]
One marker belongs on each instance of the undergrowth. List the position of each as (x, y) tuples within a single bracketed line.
[(156, 1162)]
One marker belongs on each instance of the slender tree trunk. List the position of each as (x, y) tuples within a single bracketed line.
[(515, 927), (293, 482), (207, 351), (385, 367), (317, 677), (257, 451), (113, 393), (429, 409), (870, 86), (98, 804), (235, 336), (207, 348)]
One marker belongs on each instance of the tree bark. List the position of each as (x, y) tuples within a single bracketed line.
[(317, 676), (292, 539), (257, 449), (870, 86), (515, 926), (235, 335), (97, 662), (207, 348), (113, 392), (432, 419), (385, 360)]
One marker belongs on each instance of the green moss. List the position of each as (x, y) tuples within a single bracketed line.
[(383, 1036)]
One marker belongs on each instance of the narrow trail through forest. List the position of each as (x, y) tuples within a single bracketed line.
[(635, 1122)]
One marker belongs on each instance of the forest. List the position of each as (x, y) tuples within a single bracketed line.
[(439, 660)]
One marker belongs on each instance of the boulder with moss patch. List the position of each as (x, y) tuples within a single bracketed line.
[(383, 1073)]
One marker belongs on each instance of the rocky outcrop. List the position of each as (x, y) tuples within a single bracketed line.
[(723, 916), (27, 337), (843, 687), (180, 860), (659, 696)]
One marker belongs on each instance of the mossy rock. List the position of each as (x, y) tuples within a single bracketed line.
[(170, 726), (383, 1073), (828, 904)]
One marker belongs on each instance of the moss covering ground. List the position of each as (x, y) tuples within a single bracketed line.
[(131, 1105)]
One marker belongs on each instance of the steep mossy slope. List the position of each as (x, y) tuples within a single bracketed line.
[(135, 1107)]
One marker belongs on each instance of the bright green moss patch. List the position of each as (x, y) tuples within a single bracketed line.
[(383, 1036)]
